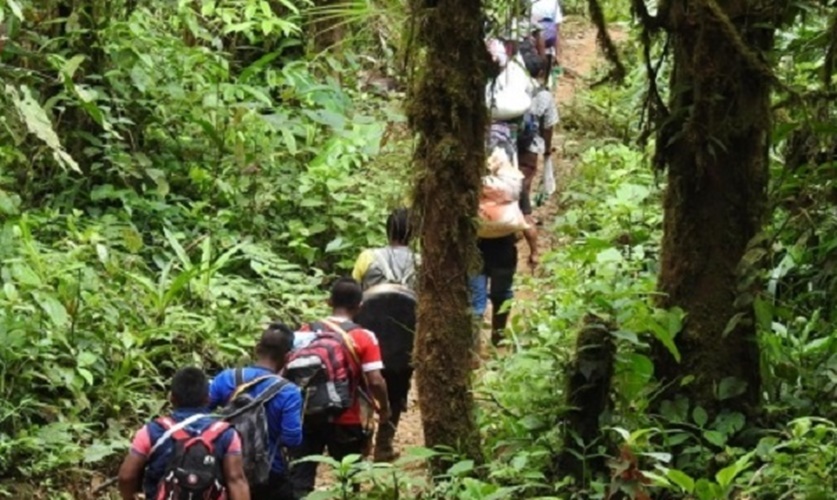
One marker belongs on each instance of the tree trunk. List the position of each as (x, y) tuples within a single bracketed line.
[(447, 112), (716, 150)]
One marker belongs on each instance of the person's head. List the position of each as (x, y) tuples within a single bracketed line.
[(189, 388), (535, 65), (273, 346), (399, 231), (346, 296)]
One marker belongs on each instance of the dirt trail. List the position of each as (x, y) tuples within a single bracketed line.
[(578, 59)]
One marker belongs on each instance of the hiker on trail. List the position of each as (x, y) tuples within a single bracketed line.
[(168, 453), (282, 402), (388, 276), (499, 265), (394, 263), (338, 369), (546, 18), (499, 256), (535, 138)]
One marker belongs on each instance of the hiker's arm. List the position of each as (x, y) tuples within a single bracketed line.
[(547, 141), (130, 473), (236, 480), (531, 236), (378, 387), (291, 434)]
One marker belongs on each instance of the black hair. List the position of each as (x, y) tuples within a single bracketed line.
[(346, 294), (276, 342), (189, 388), (398, 226), (535, 64)]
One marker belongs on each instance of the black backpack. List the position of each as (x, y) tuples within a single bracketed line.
[(247, 414), (528, 130), (193, 471)]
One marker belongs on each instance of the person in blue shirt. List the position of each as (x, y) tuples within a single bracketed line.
[(284, 411)]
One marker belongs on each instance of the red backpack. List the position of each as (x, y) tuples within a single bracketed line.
[(194, 472), (327, 370)]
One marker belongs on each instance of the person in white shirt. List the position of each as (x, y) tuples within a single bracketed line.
[(546, 17)]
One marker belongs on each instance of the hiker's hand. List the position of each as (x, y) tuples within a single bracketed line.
[(384, 415), (534, 260)]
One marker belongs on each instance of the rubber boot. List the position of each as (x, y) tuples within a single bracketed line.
[(498, 325), (384, 449)]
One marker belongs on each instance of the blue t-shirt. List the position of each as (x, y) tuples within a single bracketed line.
[(284, 411)]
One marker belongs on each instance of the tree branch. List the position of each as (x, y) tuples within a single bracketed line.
[(603, 37)]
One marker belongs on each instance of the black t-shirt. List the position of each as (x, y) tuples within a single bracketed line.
[(501, 253)]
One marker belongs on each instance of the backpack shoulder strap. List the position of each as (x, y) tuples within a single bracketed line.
[(347, 341), (174, 430), (214, 431), (383, 257), (272, 390), (241, 388), (239, 376)]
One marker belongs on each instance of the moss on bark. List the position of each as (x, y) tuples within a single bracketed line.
[(447, 111), (715, 148)]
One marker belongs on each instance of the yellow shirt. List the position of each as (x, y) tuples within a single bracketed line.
[(364, 260)]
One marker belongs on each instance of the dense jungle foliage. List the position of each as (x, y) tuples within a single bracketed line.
[(173, 174)]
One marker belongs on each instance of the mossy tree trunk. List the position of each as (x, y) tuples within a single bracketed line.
[(715, 149), (447, 112)]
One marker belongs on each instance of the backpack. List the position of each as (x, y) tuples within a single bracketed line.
[(193, 471), (325, 370), (527, 132), (386, 268), (247, 414)]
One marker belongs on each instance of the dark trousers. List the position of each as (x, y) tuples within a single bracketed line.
[(339, 440), (398, 387), (278, 487)]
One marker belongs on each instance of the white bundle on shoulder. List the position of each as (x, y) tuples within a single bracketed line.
[(509, 96), (499, 211)]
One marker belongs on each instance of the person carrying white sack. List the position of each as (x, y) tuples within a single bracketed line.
[(535, 139), (504, 211)]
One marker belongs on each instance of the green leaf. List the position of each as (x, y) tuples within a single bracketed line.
[(86, 359), (86, 375), (681, 479), (71, 66), (700, 417), (731, 387), (53, 308), (335, 245), (764, 313), (461, 468), (290, 141), (609, 256), (16, 10), (178, 249), (716, 438), (38, 123)]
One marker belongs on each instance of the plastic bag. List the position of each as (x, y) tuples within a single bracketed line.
[(499, 211), (549, 185), (508, 96)]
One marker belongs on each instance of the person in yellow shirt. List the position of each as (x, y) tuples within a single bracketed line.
[(388, 276), (394, 263)]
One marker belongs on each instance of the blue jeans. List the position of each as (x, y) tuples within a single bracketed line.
[(496, 286)]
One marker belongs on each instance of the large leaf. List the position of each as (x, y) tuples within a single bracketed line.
[(38, 123)]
